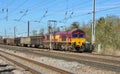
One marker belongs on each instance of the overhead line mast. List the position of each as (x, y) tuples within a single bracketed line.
[(93, 23)]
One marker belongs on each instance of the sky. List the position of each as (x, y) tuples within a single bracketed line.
[(17, 13)]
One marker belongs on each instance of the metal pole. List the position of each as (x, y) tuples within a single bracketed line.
[(93, 24), (52, 31), (28, 28), (7, 14), (14, 31), (5, 32), (49, 31)]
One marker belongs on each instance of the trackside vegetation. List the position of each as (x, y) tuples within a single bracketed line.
[(107, 34)]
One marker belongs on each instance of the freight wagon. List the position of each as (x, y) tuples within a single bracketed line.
[(1, 41), (17, 41), (8, 41), (36, 41), (32, 41)]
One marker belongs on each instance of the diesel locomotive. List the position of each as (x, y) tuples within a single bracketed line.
[(72, 40)]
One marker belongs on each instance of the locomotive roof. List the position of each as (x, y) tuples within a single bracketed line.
[(68, 32)]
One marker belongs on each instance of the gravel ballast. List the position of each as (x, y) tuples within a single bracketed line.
[(7, 68), (71, 66)]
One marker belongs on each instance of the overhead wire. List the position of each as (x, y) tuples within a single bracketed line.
[(51, 14), (104, 8), (35, 6), (5, 9), (44, 15), (115, 7), (79, 5), (70, 8), (96, 11), (19, 6), (46, 11), (23, 15), (32, 7), (65, 12), (71, 13)]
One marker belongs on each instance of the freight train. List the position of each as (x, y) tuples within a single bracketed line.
[(72, 40)]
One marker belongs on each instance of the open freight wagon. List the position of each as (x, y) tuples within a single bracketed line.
[(32, 41)]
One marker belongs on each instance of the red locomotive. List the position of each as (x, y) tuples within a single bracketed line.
[(73, 40)]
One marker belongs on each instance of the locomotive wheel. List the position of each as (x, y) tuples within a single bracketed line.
[(59, 47), (70, 48), (77, 49), (82, 48)]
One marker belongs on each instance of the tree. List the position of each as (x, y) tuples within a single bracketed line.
[(107, 32), (87, 29), (100, 30), (74, 25)]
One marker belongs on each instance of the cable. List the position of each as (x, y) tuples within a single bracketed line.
[(70, 9), (23, 15), (96, 11), (41, 6), (108, 9), (13, 11), (79, 5), (44, 15)]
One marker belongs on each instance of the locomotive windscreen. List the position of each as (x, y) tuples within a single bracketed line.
[(74, 35), (82, 35)]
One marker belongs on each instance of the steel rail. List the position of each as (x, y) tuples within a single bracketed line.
[(34, 62), (106, 64)]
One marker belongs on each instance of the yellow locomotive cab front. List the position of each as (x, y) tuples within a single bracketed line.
[(78, 41)]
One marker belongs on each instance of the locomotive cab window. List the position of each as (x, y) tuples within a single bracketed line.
[(75, 35), (82, 35)]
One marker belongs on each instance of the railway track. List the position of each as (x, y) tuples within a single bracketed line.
[(33, 66), (98, 62), (101, 62)]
